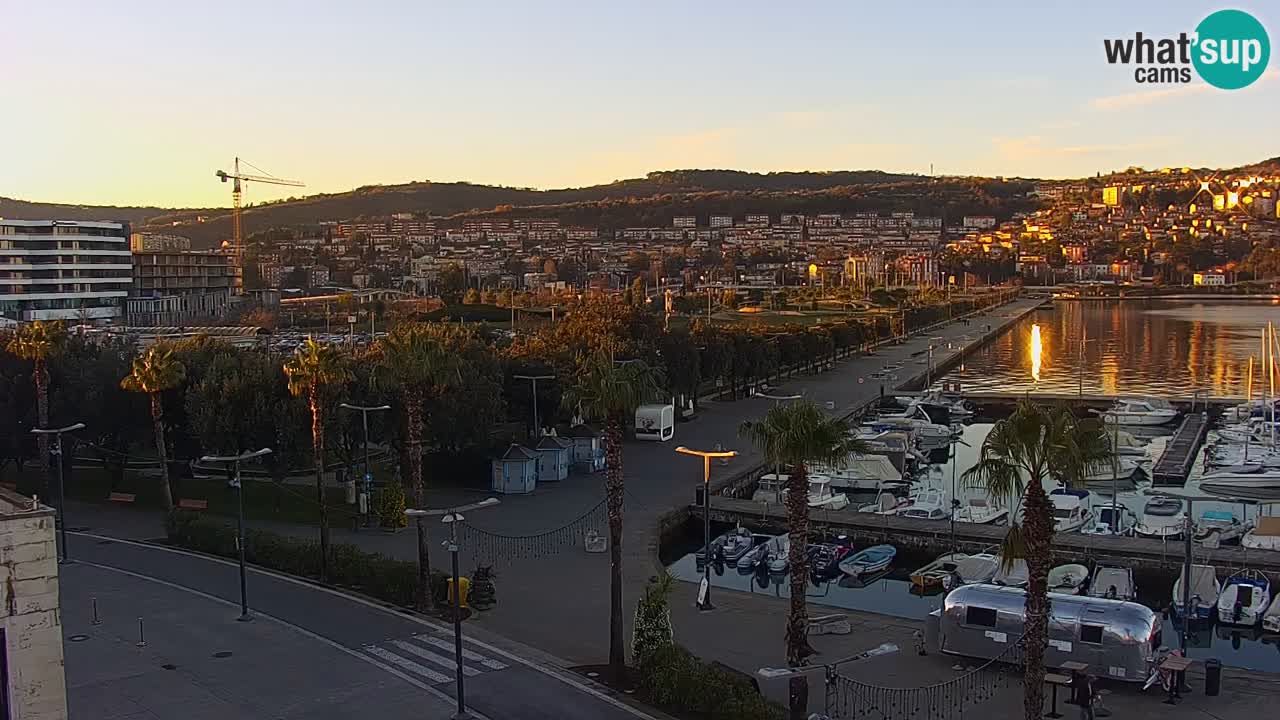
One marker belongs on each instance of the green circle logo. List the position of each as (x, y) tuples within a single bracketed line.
[(1232, 49)]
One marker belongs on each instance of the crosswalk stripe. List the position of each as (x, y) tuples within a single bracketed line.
[(476, 657), (413, 667), (429, 656)]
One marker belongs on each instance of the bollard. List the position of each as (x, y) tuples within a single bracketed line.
[(96, 620), (142, 640)]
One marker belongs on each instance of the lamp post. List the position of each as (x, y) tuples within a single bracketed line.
[(534, 379), (62, 495), (368, 470), (704, 602), (234, 461), (453, 516)]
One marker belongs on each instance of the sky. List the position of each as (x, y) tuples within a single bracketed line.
[(139, 102)]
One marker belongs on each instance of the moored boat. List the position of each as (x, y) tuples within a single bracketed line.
[(866, 562), (1265, 536), (1070, 509), (979, 568), (1115, 583), (935, 574), (1204, 589), (1271, 618), (1069, 579), (1014, 575), (1146, 411), (1245, 598), (1216, 527), (979, 511), (1163, 518)]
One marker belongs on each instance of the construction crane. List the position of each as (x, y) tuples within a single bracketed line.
[(236, 232)]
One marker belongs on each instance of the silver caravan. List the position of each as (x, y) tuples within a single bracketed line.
[(1116, 639)]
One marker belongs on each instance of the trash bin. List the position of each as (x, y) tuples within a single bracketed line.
[(463, 582), (1212, 676)]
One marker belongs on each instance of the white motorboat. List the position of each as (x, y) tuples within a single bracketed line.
[(1163, 518), (1216, 527), (1265, 536), (771, 488), (1256, 431), (1115, 583), (928, 435), (1223, 455), (1126, 445), (979, 511), (1245, 597), (979, 568), (779, 554), (1252, 477), (1204, 588), (1070, 510), (861, 472), (886, 503), (1124, 474), (1113, 520), (929, 504), (1068, 579), (1016, 575), (1271, 618), (821, 497), (736, 544), (1134, 411)]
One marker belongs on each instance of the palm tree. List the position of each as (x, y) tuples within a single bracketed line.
[(794, 435), (39, 341), (611, 391), (314, 367), (1022, 452), (156, 371), (415, 362)]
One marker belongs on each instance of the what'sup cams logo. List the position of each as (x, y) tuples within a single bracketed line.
[(1229, 50)]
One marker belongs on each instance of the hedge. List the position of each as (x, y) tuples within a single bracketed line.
[(373, 574), (674, 679)]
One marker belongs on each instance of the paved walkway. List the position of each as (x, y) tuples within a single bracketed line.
[(560, 603), (310, 652)]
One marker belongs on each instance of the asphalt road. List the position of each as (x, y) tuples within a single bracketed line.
[(500, 684)]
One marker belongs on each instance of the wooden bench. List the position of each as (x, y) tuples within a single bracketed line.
[(192, 504), (120, 497)]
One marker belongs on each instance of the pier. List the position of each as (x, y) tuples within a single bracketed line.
[(935, 537), (1181, 452)]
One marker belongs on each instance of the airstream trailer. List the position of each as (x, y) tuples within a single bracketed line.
[(1116, 639)]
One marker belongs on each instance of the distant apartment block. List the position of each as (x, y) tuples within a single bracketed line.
[(172, 287), (157, 242), (685, 221), (63, 269), (721, 221), (756, 220), (979, 222)]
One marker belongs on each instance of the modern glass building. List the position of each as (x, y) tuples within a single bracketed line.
[(64, 270)]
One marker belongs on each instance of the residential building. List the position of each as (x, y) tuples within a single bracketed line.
[(721, 221), (63, 269), (174, 287), (157, 242), (1209, 278), (34, 686), (685, 221)]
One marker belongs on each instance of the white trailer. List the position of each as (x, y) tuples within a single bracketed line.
[(655, 422)]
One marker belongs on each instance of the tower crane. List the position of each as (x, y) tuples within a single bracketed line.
[(236, 231)]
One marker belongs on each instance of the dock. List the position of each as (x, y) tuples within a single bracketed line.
[(935, 537), (1181, 452)]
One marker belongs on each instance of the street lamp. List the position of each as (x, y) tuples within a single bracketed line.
[(704, 600), (62, 495), (234, 461), (453, 516), (368, 471), (534, 379)]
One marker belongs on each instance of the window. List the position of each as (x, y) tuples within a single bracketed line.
[(1091, 634), (984, 617)]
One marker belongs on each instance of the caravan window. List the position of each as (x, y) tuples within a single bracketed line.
[(984, 617), (1091, 634)]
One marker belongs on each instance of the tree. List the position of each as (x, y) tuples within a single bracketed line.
[(38, 342), (472, 297), (414, 363), (154, 373), (1021, 453), (311, 371), (451, 283), (794, 435), (611, 391)]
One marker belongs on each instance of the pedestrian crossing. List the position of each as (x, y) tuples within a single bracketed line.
[(431, 657)]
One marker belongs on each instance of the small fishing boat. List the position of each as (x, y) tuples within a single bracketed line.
[(1068, 579), (1016, 575), (979, 568), (1245, 598), (1146, 411), (935, 574), (1217, 527), (929, 504), (865, 562), (1204, 588), (1115, 583), (1112, 520), (979, 511), (1070, 509), (821, 497), (771, 488), (1271, 618), (1163, 518)]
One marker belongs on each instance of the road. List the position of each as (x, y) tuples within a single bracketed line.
[(411, 655)]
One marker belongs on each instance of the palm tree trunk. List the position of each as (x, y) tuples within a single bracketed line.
[(41, 377), (1038, 534), (614, 495), (317, 446), (157, 419), (414, 420), (797, 637)]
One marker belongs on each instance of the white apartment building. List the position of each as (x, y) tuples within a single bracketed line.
[(64, 269)]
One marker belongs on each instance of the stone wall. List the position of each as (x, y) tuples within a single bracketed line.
[(29, 613)]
